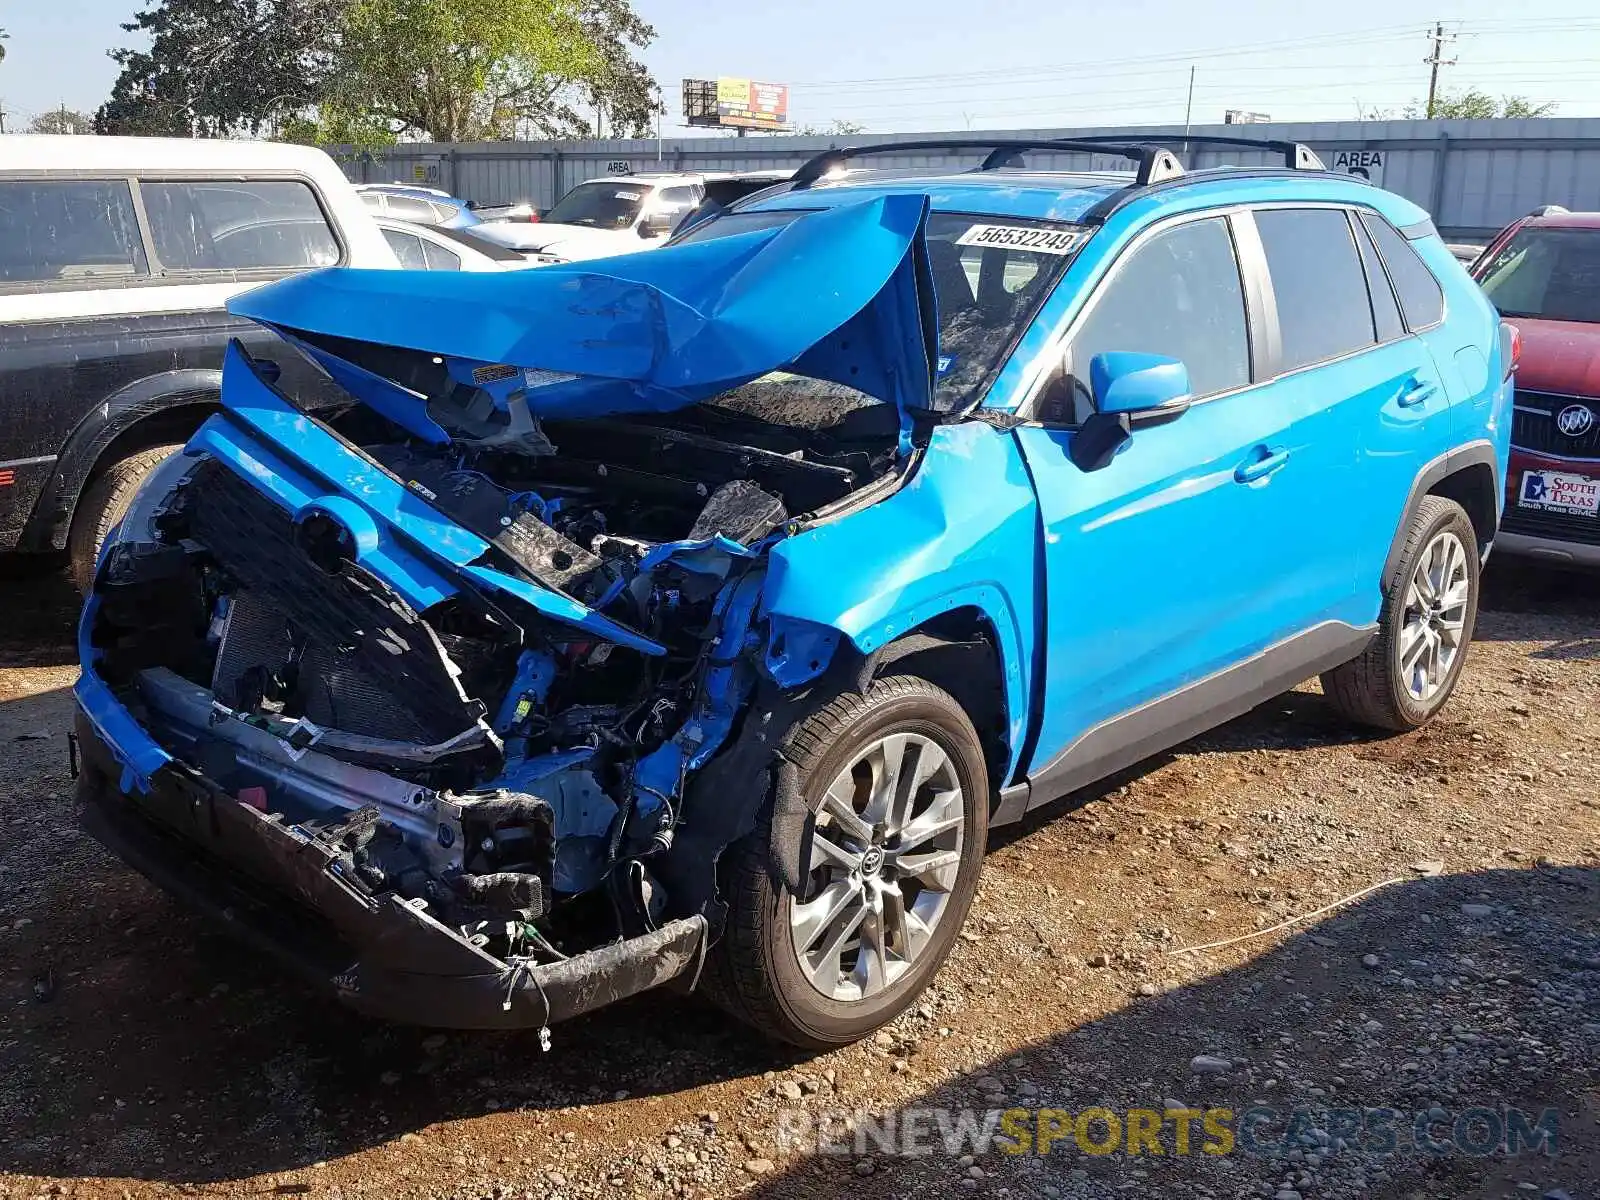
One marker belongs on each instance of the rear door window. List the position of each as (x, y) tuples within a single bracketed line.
[(1324, 311), (82, 230), (440, 259), (1421, 298), (255, 225), (407, 248), (409, 208)]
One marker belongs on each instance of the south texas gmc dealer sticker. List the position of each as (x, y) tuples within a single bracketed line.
[(1577, 495)]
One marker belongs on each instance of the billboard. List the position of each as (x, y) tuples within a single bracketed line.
[(734, 103)]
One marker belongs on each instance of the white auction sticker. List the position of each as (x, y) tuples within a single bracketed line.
[(1022, 237)]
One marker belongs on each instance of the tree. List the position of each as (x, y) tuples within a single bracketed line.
[(621, 87), (62, 120), (221, 67), (1474, 103), (480, 70), (831, 129)]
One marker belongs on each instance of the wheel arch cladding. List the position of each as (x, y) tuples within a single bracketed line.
[(1474, 488), (960, 537), (166, 407), (959, 652), (1475, 471)]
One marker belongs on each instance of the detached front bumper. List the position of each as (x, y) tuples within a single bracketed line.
[(383, 956)]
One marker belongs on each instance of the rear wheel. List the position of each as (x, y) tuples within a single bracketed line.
[(899, 786), (1411, 668), (102, 504)]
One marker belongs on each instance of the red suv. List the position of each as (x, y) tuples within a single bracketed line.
[(1543, 274)]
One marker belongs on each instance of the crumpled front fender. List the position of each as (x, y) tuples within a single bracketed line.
[(962, 532)]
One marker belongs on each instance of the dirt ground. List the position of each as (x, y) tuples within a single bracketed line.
[(143, 1054)]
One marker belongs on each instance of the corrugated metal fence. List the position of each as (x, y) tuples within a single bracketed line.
[(1474, 176)]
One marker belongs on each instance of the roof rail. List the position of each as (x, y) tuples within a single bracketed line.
[(1154, 163), (1296, 155)]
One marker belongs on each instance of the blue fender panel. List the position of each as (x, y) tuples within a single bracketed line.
[(963, 532)]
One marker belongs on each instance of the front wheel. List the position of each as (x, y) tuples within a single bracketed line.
[(899, 785), (101, 506), (1426, 624)]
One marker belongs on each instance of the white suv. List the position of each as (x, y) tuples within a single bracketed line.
[(618, 214)]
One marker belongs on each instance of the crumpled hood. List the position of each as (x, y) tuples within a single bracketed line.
[(843, 295)]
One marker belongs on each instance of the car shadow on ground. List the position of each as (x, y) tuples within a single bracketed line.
[(1566, 605), (1403, 1001), (167, 1052), (41, 608), (138, 1042)]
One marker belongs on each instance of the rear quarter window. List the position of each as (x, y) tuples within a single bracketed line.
[(1421, 297), (1324, 311), (81, 230), (254, 225)]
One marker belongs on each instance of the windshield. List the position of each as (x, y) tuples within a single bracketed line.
[(1547, 273), (990, 275), (599, 205)]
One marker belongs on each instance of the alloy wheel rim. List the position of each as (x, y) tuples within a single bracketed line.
[(1433, 631), (884, 862)]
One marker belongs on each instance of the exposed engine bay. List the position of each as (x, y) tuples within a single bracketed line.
[(521, 774)]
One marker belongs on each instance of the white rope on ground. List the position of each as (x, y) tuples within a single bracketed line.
[(1245, 937)]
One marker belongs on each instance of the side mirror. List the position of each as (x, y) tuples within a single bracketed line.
[(1130, 390), (656, 224), (1144, 386)]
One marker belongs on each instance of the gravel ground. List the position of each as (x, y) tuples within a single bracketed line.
[(143, 1054)]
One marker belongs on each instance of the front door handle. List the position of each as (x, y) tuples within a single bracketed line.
[(1417, 391), (1260, 468)]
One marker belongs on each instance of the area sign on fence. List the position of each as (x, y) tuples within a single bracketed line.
[(1363, 164)]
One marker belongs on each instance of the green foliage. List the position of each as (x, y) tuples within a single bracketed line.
[(221, 67), (483, 70), (831, 129), (62, 121), (366, 72), (1476, 104)]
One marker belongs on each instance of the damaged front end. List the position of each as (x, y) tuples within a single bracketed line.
[(419, 696)]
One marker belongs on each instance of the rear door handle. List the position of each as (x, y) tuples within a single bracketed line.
[(1260, 468), (1417, 391)]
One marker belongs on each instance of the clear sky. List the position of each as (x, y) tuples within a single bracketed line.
[(904, 65)]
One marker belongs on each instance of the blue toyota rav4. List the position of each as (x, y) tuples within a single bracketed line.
[(689, 618)]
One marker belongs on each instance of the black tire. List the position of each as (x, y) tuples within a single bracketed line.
[(753, 972), (1371, 689), (102, 504)]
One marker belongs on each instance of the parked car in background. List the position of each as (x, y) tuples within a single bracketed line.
[(117, 257), (1543, 274), (714, 603), (438, 248), (620, 214), (519, 210), (420, 205)]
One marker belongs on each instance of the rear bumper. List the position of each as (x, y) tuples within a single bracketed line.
[(1550, 550), (384, 956)]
